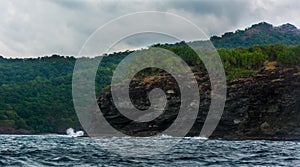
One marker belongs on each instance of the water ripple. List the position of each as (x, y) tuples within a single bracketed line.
[(62, 151)]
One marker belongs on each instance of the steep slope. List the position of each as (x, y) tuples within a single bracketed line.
[(262, 106)]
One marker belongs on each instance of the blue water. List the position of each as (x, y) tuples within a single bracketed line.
[(65, 151)]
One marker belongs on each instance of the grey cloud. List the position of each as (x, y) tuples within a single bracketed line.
[(233, 10), (71, 4), (32, 28)]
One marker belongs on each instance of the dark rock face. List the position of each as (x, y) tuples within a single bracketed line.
[(263, 106), (138, 92)]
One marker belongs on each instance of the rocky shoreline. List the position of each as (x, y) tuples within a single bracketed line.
[(262, 106)]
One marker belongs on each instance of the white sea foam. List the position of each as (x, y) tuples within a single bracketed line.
[(71, 132)]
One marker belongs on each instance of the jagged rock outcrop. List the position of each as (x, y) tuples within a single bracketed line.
[(263, 106)]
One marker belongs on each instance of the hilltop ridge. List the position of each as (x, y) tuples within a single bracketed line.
[(259, 34)]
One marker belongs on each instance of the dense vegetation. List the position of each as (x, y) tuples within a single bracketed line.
[(259, 34), (36, 93), (239, 62)]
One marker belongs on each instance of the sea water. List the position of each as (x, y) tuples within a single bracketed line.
[(43, 150)]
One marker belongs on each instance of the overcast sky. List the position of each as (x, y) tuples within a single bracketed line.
[(32, 28)]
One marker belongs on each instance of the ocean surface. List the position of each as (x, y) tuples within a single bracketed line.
[(43, 150)]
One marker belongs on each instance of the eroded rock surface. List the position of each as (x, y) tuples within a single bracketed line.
[(263, 106)]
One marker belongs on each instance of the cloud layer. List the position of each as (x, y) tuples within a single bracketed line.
[(32, 28)]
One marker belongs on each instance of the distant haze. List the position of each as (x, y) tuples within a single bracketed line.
[(32, 28)]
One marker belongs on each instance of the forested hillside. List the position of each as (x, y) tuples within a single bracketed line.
[(259, 34), (36, 94)]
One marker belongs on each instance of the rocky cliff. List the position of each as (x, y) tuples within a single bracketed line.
[(263, 106)]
